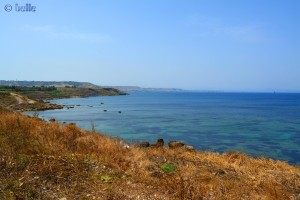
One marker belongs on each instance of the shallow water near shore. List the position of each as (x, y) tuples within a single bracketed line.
[(259, 124)]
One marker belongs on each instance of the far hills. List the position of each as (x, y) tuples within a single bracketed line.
[(75, 84), (136, 88), (49, 83)]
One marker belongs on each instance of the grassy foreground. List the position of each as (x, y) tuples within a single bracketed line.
[(49, 160)]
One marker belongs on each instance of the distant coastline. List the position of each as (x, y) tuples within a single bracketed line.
[(23, 96)]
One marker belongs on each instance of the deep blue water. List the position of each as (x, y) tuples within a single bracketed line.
[(260, 124)]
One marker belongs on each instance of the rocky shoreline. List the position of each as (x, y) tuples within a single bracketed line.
[(160, 144)]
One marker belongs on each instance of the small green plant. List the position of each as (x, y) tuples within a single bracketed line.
[(106, 179), (168, 168)]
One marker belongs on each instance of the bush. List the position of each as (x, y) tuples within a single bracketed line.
[(168, 168)]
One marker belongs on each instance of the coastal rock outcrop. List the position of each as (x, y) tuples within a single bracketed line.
[(189, 148), (160, 143), (180, 145), (175, 144), (143, 145)]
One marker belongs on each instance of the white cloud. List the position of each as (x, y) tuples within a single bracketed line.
[(65, 33)]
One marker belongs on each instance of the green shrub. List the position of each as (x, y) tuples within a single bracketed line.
[(106, 179), (168, 168)]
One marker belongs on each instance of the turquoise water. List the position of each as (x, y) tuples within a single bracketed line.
[(255, 123)]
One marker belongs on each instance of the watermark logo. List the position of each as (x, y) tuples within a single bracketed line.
[(8, 8), (20, 8)]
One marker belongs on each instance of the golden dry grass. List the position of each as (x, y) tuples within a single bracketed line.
[(43, 160)]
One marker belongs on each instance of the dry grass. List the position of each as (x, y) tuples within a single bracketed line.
[(42, 160), (6, 99)]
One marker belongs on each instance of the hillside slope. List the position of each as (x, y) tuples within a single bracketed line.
[(49, 83), (17, 98), (49, 160), (18, 102)]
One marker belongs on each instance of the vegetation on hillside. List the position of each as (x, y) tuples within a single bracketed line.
[(49, 160), (6, 99), (51, 92), (17, 102), (19, 98), (49, 84)]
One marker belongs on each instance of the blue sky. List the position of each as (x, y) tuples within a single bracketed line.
[(203, 45)]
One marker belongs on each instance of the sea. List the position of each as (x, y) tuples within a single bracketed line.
[(258, 124)]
